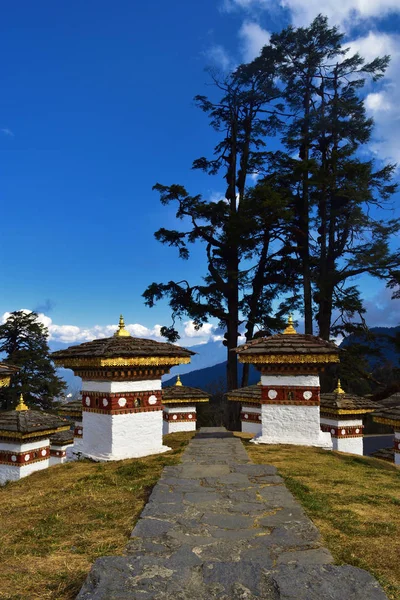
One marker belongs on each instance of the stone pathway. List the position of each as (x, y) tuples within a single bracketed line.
[(220, 527)]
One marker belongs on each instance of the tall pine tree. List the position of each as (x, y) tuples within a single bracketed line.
[(24, 341), (338, 195), (240, 230)]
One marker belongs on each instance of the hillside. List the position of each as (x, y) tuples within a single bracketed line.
[(213, 379), (383, 350)]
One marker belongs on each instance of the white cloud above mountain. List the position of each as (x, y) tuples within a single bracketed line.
[(72, 334)]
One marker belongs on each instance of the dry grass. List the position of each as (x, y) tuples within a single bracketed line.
[(355, 502), (56, 522)]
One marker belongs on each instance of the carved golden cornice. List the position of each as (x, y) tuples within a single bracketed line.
[(345, 411), (38, 434), (243, 399), (393, 422), (288, 358), (185, 401), (135, 361), (67, 414), (5, 381)]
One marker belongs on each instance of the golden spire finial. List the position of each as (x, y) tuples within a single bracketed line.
[(339, 389), (121, 331), (178, 380), (21, 404), (290, 329)]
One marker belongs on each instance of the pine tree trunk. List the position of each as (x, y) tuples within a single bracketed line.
[(304, 218)]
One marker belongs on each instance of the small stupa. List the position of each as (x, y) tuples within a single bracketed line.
[(180, 406), (391, 416), (121, 392), (60, 443), (342, 416), (25, 440), (73, 412), (250, 398), (290, 364)]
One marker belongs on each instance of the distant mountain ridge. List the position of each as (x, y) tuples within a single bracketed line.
[(213, 379), (381, 342)]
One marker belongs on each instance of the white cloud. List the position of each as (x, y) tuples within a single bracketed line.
[(376, 102), (217, 197), (219, 57), (382, 311), (303, 11), (7, 132), (253, 39), (71, 334), (339, 13), (383, 105), (377, 44), (231, 5), (204, 331)]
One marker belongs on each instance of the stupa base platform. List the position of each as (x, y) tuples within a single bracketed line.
[(134, 454), (324, 440)]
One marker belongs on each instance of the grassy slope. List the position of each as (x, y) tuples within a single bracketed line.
[(56, 522), (355, 502)]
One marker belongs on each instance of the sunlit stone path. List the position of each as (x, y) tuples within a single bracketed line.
[(218, 526)]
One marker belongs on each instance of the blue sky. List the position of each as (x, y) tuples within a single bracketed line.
[(96, 107)]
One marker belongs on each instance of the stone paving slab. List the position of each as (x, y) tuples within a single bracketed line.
[(217, 526)]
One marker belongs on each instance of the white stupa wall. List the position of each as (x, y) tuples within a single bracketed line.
[(113, 427), (121, 436), (347, 434), (78, 430), (291, 423), (253, 423), (74, 452), (174, 425), (10, 472), (121, 387), (58, 454), (397, 446)]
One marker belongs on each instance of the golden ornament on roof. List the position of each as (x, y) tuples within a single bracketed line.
[(178, 380), (121, 331), (21, 404), (290, 329), (339, 389)]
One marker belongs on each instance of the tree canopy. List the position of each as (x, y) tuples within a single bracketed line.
[(24, 341), (302, 214)]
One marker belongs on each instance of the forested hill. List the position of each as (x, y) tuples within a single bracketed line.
[(381, 341), (213, 379)]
